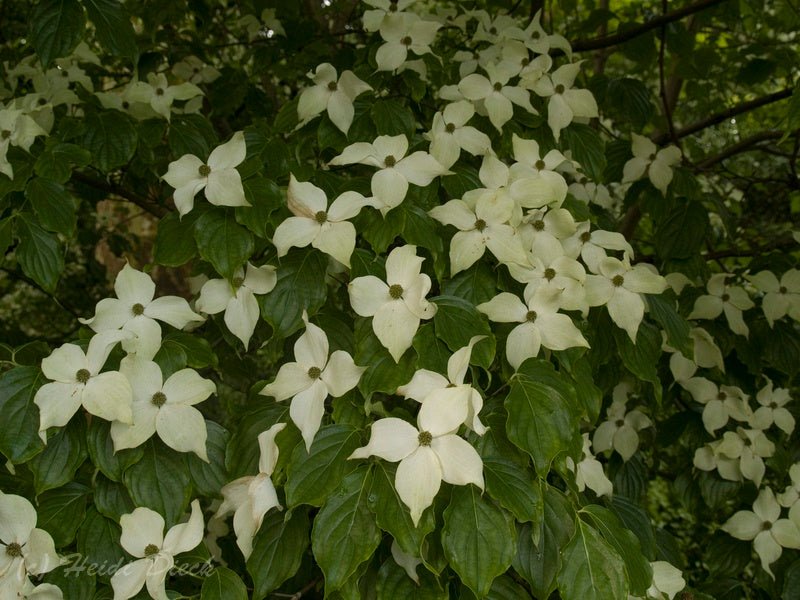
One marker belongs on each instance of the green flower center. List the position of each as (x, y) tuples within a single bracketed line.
[(535, 35), (722, 396), (586, 236), (620, 422), (766, 526), (159, 91), (480, 224), (531, 316), (158, 401), (783, 289), (395, 291), (493, 30), (126, 105), (450, 128), (451, 385), (525, 62), (137, 309), (425, 438), (773, 405), (314, 372), (549, 273), (332, 86), (559, 89), (652, 157), (82, 376), (14, 550), (5, 134), (204, 170), (725, 297), (150, 549), (321, 217), (583, 180), (406, 41), (390, 161), (41, 101), (538, 225), (498, 86), (618, 280), (539, 164)]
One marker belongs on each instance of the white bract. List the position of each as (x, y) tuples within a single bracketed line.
[(781, 297), (332, 94), (667, 581), (143, 537), (325, 228), (238, 298), (656, 164), (396, 305), (79, 382), (16, 129), (310, 380), (160, 95), (164, 407), (720, 403), (249, 498), (494, 96), (217, 176), (136, 311), (749, 447), (773, 409), (404, 33), (566, 103), (450, 134), (589, 471), (428, 455), (383, 11), (620, 430), (721, 297)]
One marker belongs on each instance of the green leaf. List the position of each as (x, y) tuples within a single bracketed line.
[(209, 477), (61, 512), (98, 545), (433, 354), (478, 537), (191, 134), (393, 515), (591, 569), (19, 435), (111, 498), (514, 488), (159, 481), (382, 374), (56, 27), (278, 550), (463, 179), (542, 417), (175, 243), (456, 321), (345, 533), (381, 232), (223, 584), (241, 457), (313, 476), (300, 286), (394, 584), (56, 161), (39, 253), (587, 148), (101, 450), (539, 548), (641, 358), (222, 241), (64, 453), (392, 117), (73, 583), (111, 138), (113, 27), (53, 204), (637, 567), (629, 99), (663, 312), (683, 232), (791, 581), (197, 350), (265, 198), (6, 235), (638, 521)]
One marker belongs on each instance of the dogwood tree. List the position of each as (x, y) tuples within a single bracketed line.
[(399, 299)]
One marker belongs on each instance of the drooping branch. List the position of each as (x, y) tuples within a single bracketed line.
[(141, 201), (634, 32)]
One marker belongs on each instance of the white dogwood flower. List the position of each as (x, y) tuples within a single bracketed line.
[(164, 407), (620, 430), (722, 297), (332, 94), (217, 176), (396, 305), (238, 298), (749, 447), (160, 95), (773, 409), (16, 129), (79, 382), (404, 33), (589, 471), (781, 297), (310, 380), (143, 537), (566, 103), (450, 134), (646, 159), (493, 94), (720, 403)]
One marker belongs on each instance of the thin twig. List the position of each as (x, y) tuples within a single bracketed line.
[(141, 201)]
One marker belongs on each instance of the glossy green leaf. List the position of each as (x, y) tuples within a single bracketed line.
[(209, 477), (383, 374), (223, 584), (101, 450), (56, 27), (64, 453), (113, 27), (54, 206), (39, 253), (456, 321), (391, 117), (110, 136), (222, 241), (587, 148), (278, 550), (19, 435), (514, 488), (641, 358), (61, 511), (175, 243), (98, 545), (591, 568), (394, 582)]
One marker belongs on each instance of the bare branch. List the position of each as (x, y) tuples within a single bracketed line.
[(739, 147), (141, 201)]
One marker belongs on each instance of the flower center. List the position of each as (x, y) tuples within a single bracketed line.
[(204, 170), (450, 128), (425, 438), (586, 236), (539, 164), (535, 35), (538, 225), (783, 289), (620, 422), (82, 376), (321, 217), (406, 41), (773, 405), (390, 161), (549, 273), (14, 550), (618, 280), (314, 372), (126, 105), (652, 157), (493, 30), (159, 91), (137, 309), (41, 101), (480, 224), (583, 180), (725, 297), (531, 316), (395, 291), (766, 526), (525, 62), (393, 7), (158, 400), (64, 74), (332, 86), (150, 549), (722, 396), (237, 282), (498, 86), (559, 89), (5, 134)]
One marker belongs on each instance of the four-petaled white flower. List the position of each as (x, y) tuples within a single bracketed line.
[(397, 305), (78, 381), (313, 378), (134, 310), (494, 95), (335, 95), (160, 95), (402, 33), (749, 447), (721, 297), (450, 134), (164, 407), (237, 298), (782, 297), (143, 537), (325, 228), (721, 403), (218, 176), (16, 129), (428, 455), (620, 430), (763, 525), (773, 409), (657, 164), (566, 103), (249, 498)]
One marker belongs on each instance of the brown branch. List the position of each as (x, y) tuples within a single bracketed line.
[(719, 117), (104, 186), (739, 147), (619, 38), (662, 86)]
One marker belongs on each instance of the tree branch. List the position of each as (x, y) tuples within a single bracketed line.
[(141, 201), (619, 38), (739, 147)]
